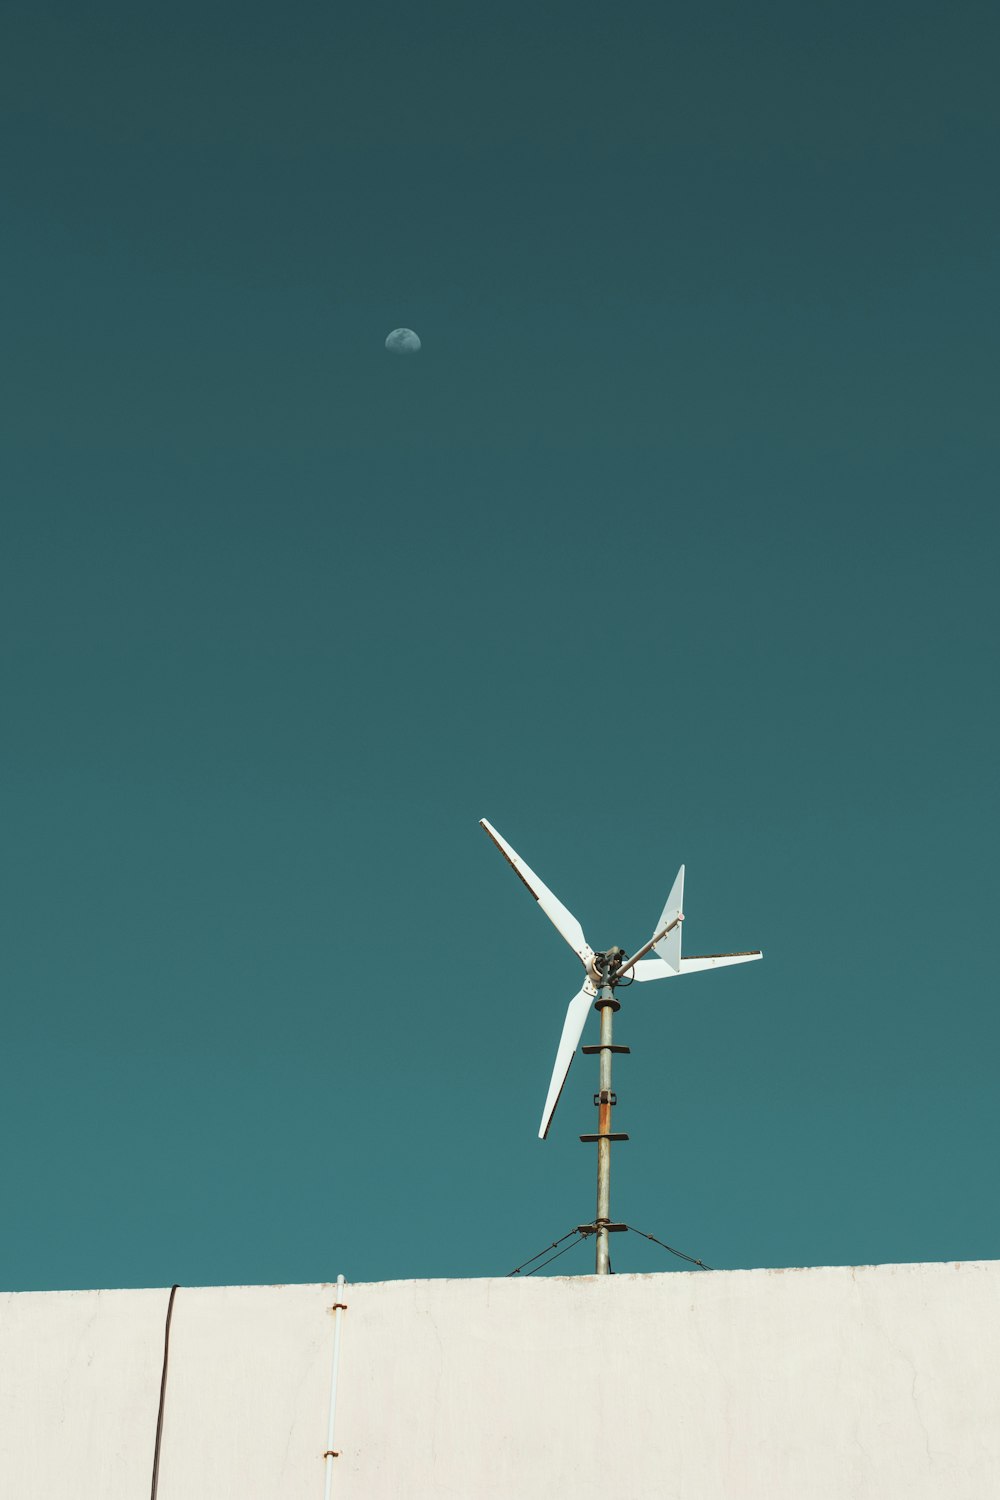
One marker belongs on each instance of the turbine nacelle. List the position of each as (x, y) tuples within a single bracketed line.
[(607, 968), (603, 967)]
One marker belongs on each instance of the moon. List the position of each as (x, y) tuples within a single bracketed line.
[(402, 341)]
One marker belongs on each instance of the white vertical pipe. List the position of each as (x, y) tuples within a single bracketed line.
[(338, 1312)]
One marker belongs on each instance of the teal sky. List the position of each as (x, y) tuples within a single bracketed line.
[(677, 541)]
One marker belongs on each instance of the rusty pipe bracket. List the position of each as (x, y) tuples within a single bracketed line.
[(332, 1453), (606, 1096), (337, 1307)]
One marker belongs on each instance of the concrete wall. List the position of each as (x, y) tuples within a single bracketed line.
[(875, 1382)]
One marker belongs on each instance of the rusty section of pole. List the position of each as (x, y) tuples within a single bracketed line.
[(607, 1005)]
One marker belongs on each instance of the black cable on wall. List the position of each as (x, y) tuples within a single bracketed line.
[(163, 1395)]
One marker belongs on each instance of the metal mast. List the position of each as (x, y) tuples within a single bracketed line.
[(605, 1100)]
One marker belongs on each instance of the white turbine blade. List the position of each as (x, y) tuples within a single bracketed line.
[(576, 1019), (717, 961), (669, 947), (650, 968), (656, 968), (563, 920)]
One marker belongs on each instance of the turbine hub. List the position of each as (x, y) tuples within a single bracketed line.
[(603, 964)]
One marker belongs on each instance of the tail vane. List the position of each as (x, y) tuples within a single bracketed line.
[(669, 946)]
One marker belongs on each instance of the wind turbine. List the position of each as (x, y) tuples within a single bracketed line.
[(604, 971)]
